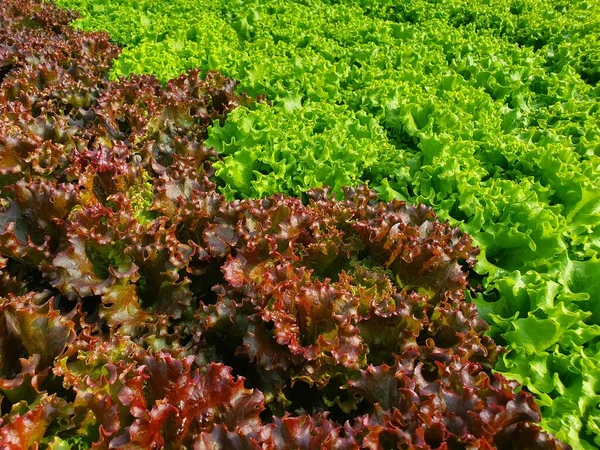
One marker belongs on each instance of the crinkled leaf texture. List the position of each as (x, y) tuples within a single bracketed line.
[(487, 111), (140, 309)]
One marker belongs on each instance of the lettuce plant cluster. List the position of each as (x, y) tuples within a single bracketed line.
[(140, 309), (485, 110)]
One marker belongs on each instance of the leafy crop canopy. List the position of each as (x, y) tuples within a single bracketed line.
[(485, 110), (139, 308)]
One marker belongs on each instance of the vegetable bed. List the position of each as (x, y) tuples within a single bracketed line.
[(190, 261)]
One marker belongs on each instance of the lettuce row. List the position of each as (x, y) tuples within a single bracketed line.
[(560, 31), (346, 148)]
